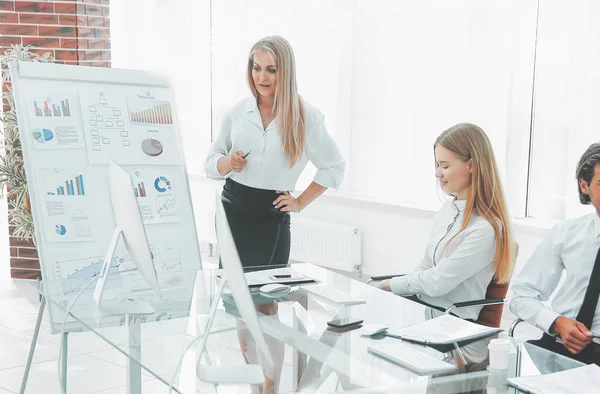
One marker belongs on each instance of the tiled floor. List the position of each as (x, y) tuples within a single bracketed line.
[(93, 366)]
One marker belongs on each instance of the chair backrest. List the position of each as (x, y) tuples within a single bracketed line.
[(491, 315)]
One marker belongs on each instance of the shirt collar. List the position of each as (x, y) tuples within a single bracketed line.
[(460, 204), (251, 105), (597, 225)]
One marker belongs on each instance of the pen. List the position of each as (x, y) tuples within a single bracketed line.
[(246, 155)]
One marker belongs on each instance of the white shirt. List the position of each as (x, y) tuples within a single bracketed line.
[(459, 272), (571, 246), (268, 166)]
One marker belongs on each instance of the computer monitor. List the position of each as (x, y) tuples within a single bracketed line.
[(130, 226), (234, 273)]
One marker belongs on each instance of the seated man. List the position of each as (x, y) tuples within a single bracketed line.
[(572, 324)]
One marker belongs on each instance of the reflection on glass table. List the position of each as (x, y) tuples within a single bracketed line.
[(313, 356)]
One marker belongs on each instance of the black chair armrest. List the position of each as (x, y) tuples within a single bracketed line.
[(465, 304), (383, 277), (511, 330)]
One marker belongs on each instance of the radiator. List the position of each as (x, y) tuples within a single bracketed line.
[(327, 245)]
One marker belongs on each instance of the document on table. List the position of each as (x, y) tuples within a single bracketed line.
[(443, 330), (587, 380)]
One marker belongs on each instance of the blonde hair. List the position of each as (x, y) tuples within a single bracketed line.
[(287, 104), (485, 196)]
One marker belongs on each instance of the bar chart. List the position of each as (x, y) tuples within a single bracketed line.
[(71, 187), (49, 109), (159, 113), (140, 190)]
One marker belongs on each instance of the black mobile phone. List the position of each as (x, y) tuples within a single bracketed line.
[(346, 322), (282, 276)]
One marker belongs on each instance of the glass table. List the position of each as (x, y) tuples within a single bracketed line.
[(313, 357)]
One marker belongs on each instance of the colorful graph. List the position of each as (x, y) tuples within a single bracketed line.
[(52, 110), (60, 229), (162, 184), (152, 147), (160, 113), (72, 187), (140, 190), (43, 135)]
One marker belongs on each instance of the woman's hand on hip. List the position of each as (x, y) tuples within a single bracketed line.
[(237, 161), (287, 203)]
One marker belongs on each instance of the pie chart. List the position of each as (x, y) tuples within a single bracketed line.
[(60, 229), (162, 184), (43, 135), (152, 147)]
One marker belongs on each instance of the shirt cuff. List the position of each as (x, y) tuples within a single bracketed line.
[(399, 285), (328, 178), (214, 173), (545, 319)]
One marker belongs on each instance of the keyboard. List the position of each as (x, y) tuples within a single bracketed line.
[(332, 294), (411, 357)]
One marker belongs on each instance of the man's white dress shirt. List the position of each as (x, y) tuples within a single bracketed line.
[(572, 247)]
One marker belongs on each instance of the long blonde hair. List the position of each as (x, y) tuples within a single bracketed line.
[(485, 196), (287, 104)]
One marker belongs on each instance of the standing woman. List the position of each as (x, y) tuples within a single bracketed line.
[(264, 144)]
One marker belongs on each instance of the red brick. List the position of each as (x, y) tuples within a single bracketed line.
[(102, 33), (61, 31), (25, 273), (7, 5), (65, 8), (94, 21), (83, 32), (98, 44), (15, 241), (106, 11), (71, 63), (68, 43), (8, 41), (41, 52), (90, 1), (13, 252), (11, 230), (105, 2), (39, 19), (9, 17), (93, 10), (67, 19), (65, 55), (30, 253), (41, 42), (18, 30), (33, 6), (82, 43)]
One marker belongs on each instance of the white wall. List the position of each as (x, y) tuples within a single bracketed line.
[(394, 237)]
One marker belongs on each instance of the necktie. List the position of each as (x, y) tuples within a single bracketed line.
[(590, 300)]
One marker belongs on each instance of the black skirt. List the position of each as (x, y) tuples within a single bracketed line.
[(260, 231)]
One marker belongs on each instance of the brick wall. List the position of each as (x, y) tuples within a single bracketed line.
[(74, 32)]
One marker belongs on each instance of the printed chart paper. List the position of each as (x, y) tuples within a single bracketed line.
[(55, 120)]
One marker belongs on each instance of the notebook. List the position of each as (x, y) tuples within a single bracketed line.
[(443, 330), (587, 380)]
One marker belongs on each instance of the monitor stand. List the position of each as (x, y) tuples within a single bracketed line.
[(124, 305), (227, 374)]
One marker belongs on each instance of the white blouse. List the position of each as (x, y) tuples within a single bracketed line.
[(458, 272), (268, 166)]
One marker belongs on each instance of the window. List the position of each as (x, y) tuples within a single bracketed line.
[(171, 37)]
